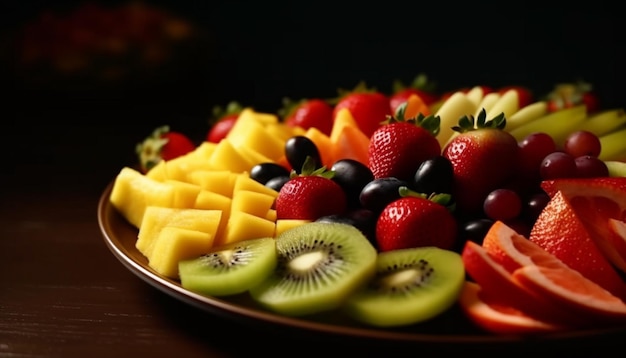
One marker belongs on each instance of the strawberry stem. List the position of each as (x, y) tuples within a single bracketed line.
[(443, 199)]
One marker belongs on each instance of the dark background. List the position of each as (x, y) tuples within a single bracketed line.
[(259, 52)]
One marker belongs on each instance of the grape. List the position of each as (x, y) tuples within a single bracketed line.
[(476, 229), (263, 172), (502, 204), (299, 147), (533, 149), (277, 182), (581, 143), (588, 166), (352, 176), (558, 165), (380, 192), (434, 175), (534, 205)]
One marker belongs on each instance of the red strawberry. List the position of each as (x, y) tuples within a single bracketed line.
[(310, 195), (368, 107), (222, 121), (308, 113), (420, 86), (484, 157), (162, 144), (415, 221), (398, 147)]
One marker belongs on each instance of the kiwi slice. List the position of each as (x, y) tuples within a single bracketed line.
[(319, 266), (229, 269), (411, 285)]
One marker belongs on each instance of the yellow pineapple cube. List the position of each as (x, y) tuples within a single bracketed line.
[(185, 194), (244, 226), (156, 218), (244, 182), (209, 200), (133, 192), (158, 171), (204, 150), (217, 181), (249, 132), (283, 225), (252, 202), (271, 215), (174, 244), (226, 157)]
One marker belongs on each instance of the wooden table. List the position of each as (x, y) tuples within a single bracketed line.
[(64, 294)]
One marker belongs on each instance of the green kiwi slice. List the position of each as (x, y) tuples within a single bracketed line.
[(229, 269), (411, 285), (319, 266)]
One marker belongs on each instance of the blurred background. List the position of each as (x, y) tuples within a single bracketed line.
[(90, 79)]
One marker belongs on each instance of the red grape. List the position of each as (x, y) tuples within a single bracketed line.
[(588, 166), (558, 165), (502, 204), (581, 143)]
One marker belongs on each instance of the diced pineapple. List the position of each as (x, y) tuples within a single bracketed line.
[(244, 226), (174, 244), (204, 150), (209, 200), (271, 215), (156, 218), (158, 171), (283, 225), (133, 192), (226, 157), (252, 202), (244, 182), (185, 194), (217, 181), (251, 133)]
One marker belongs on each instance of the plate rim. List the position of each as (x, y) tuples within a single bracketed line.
[(226, 309)]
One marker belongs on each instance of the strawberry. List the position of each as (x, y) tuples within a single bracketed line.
[(415, 220), (162, 144), (369, 107), (308, 113), (397, 148), (420, 86), (310, 194), (222, 121), (484, 157)]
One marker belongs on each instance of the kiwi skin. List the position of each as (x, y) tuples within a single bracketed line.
[(319, 266), (411, 286), (230, 269)]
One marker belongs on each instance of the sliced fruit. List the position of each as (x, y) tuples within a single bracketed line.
[(617, 239), (573, 290), (573, 227), (229, 269), (319, 266), (174, 244), (499, 287), (498, 318), (411, 286)]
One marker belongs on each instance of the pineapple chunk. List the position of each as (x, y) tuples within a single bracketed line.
[(174, 244), (244, 226), (252, 202), (157, 218), (133, 192), (217, 181), (283, 225), (250, 132), (209, 200), (226, 157), (185, 194), (244, 182)]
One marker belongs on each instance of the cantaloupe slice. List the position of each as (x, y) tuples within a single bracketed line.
[(351, 143), (323, 144)]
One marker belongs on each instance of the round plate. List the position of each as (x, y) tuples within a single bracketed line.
[(449, 328)]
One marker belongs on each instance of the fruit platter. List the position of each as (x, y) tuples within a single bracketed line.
[(478, 215)]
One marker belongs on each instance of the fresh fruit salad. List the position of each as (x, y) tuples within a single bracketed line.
[(395, 208)]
